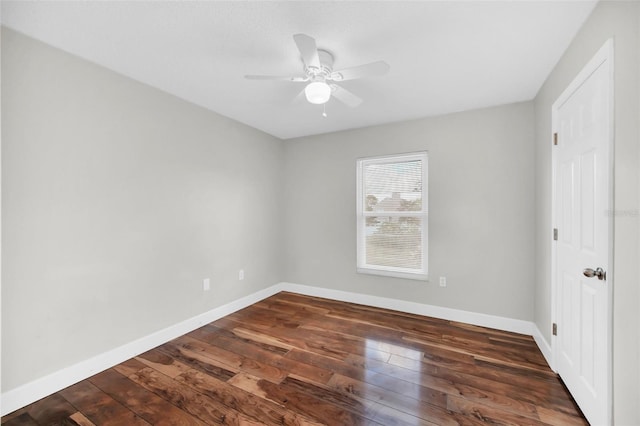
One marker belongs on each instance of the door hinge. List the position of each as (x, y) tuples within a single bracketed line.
[(555, 234), (554, 329), (555, 138)]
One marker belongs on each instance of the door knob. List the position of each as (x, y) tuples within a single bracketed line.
[(599, 272)]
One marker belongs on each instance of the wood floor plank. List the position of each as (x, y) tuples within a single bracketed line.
[(299, 360), (487, 413), (81, 420), (207, 409), (303, 310), (23, 419), (130, 366), (265, 319), (319, 408), (246, 402), (506, 358), (497, 395), (347, 402), (163, 363), (381, 404), (257, 338), (424, 403), (212, 332), (141, 401), (481, 386), (232, 360), (240, 345), (297, 338), (49, 410), (350, 378), (561, 418), (325, 362), (356, 345), (196, 359), (98, 407)]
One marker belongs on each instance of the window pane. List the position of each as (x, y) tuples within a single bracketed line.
[(394, 241), (392, 216), (393, 187)]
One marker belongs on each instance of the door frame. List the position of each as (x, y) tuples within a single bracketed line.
[(604, 54)]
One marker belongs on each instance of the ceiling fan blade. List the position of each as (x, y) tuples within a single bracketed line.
[(300, 98), (345, 96), (308, 50), (366, 70), (276, 77)]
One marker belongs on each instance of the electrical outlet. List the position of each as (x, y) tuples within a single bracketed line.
[(443, 281), (206, 284), (241, 275)]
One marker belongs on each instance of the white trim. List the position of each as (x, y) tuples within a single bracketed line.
[(39, 388), (604, 54), (543, 345), (484, 320), (392, 272)]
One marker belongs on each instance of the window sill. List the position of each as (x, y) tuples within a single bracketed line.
[(395, 274)]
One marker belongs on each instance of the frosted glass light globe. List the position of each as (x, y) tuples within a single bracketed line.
[(317, 92)]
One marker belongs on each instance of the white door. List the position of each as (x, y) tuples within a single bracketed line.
[(582, 121)]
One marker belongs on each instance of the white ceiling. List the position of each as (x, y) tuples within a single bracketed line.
[(445, 56)]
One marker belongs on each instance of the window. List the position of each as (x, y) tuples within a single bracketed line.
[(392, 215)]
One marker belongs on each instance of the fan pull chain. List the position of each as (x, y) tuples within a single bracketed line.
[(324, 110)]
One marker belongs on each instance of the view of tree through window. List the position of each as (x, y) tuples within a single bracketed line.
[(392, 214)]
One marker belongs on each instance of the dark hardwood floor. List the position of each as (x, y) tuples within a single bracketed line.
[(299, 360)]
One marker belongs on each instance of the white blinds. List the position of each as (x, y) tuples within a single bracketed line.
[(392, 215)]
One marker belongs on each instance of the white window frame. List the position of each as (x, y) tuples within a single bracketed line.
[(362, 214)]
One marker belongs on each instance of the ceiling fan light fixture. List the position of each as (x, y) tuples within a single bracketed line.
[(319, 76), (317, 92)]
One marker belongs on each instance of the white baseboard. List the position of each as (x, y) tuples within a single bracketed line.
[(483, 320), (544, 346), (37, 389)]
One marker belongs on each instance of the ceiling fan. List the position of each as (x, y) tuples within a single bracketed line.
[(320, 76)]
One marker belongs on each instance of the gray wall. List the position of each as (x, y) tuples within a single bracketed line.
[(118, 199), (481, 209), (620, 21)]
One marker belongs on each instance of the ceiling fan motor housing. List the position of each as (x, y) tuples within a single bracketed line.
[(326, 67)]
